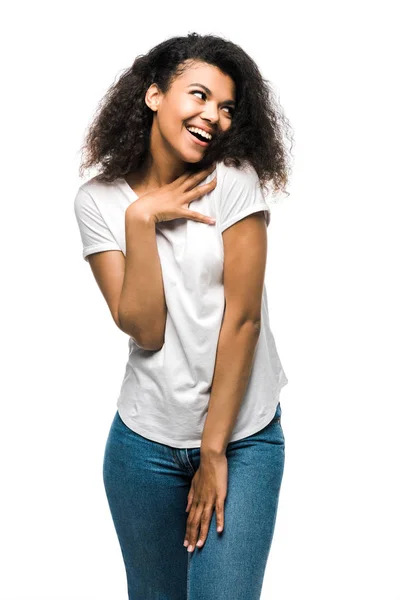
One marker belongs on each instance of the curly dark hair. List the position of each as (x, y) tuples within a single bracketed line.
[(118, 138)]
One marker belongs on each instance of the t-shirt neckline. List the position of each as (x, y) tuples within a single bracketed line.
[(128, 188)]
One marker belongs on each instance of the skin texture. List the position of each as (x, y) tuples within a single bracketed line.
[(119, 135), (243, 279), (170, 143), (245, 247)]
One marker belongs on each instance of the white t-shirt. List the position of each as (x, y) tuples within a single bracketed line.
[(164, 394)]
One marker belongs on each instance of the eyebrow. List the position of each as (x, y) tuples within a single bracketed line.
[(227, 102)]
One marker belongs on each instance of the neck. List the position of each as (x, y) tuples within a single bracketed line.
[(161, 167)]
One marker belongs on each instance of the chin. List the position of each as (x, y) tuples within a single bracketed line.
[(192, 159)]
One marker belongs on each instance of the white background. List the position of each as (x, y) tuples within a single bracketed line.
[(332, 272)]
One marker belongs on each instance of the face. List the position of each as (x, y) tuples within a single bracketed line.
[(202, 97)]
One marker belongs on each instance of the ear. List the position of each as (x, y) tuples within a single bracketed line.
[(152, 97)]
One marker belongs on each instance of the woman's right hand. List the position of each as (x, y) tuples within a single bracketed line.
[(171, 201)]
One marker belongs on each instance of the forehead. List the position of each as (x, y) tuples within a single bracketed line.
[(208, 75)]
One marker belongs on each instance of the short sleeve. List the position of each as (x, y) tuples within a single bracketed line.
[(95, 235), (240, 195)]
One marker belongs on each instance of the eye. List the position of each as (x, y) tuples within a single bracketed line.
[(230, 108), (199, 92)]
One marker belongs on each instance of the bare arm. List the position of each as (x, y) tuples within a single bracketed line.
[(245, 245), (142, 309), (133, 286)]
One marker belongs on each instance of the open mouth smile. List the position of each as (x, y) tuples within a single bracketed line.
[(199, 136)]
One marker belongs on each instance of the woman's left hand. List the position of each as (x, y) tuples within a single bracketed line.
[(208, 491)]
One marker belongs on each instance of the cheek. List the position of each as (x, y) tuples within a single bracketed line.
[(226, 124), (169, 122), (187, 109), (172, 120)]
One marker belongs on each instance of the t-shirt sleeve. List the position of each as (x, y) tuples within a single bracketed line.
[(241, 195), (95, 235)]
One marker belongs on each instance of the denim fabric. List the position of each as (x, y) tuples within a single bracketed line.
[(147, 484)]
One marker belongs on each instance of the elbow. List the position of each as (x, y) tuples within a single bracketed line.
[(151, 344), (253, 326), (145, 341), (157, 347), (241, 322)]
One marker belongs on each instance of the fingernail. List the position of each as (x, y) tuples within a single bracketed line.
[(190, 548), (185, 543), (219, 529), (199, 543)]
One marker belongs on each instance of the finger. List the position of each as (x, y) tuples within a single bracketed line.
[(204, 525), (199, 175), (188, 507), (196, 216), (189, 525), (200, 190), (219, 515), (180, 180), (193, 525), (190, 500), (194, 179)]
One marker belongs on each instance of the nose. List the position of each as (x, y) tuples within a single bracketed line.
[(210, 113)]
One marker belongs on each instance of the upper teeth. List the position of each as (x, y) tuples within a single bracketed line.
[(201, 132)]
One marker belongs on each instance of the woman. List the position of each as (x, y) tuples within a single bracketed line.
[(191, 122)]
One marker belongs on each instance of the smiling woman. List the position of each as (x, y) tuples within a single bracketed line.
[(191, 124), (187, 109)]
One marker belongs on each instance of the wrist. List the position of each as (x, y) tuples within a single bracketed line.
[(138, 213), (210, 452)]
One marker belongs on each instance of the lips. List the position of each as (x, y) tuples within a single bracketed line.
[(198, 135), (195, 140), (206, 129)]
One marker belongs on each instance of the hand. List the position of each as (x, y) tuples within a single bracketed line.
[(208, 490), (171, 201)]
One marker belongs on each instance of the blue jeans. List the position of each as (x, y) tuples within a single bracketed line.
[(147, 485)]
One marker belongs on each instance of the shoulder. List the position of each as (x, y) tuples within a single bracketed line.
[(93, 186), (90, 198), (241, 176), (98, 195), (239, 193), (84, 194), (83, 200)]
